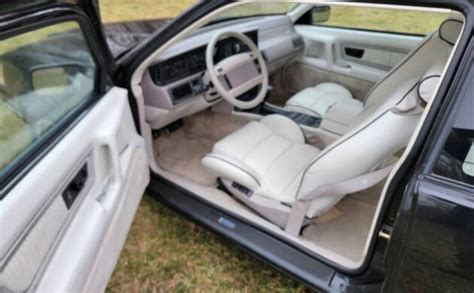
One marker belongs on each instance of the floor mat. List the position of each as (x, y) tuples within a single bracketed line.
[(346, 232), (181, 151)]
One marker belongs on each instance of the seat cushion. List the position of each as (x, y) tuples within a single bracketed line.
[(266, 156), (317, 100)]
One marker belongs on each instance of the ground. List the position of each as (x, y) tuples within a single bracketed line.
[(165, 251)]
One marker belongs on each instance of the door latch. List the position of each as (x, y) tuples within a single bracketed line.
[(386, 231)]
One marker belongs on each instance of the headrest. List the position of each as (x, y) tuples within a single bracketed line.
[(427, 86), (430, 81), (450, 29)]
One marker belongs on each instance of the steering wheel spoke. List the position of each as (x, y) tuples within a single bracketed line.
[(248, 85)]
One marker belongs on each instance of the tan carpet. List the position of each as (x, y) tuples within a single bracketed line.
[(342, 230), (180, 152), (347, 227)]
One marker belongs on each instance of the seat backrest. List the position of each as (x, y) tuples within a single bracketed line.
[(434, 46), (379, 131)]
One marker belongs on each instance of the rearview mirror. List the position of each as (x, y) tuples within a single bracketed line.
[(320, 13)]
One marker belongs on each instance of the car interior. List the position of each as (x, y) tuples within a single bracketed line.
[(296, 128)]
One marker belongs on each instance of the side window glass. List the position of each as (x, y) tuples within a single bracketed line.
[(468, 165), (378, 19), (456, 161), (128, 23), (45, 75)]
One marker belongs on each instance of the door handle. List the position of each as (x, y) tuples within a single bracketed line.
[(74, 188), (354, 52)]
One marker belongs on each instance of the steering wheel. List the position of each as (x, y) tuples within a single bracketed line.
[(239, 73)]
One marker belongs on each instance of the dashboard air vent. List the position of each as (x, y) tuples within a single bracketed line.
[(180, 93)]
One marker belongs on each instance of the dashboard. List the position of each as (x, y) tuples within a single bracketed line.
[(175, 84), (194, 61)]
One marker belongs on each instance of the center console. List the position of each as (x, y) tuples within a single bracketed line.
[(337, 120), (300, 118)]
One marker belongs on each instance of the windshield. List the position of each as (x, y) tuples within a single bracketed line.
[(126, 24), (255, 9)]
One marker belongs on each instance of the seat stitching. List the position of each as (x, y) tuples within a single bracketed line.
[(258, 144), (281, 154), (294, 178), (274, 161), (382, 114), (352, 135), (235, 165)]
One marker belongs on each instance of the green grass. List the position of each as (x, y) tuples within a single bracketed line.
[(166, 252), (390, 20), (125, 10)]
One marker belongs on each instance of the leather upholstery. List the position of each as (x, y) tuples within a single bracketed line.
[(255, 155), (271, 160), (316, 101), (435, 46)]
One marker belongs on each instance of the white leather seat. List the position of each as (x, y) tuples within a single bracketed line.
[(267, 165), (317, 100), (255, 156)]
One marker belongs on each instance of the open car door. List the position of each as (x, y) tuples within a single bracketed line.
[(72, 165)]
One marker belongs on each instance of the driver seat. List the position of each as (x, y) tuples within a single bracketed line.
[(268, 166)]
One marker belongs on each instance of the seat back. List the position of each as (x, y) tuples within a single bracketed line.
[(380, 131), (434, 46)]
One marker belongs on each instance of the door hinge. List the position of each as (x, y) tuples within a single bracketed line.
[(386, 231)]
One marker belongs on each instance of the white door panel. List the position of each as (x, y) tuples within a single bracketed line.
[(45, 245), (337, 50)]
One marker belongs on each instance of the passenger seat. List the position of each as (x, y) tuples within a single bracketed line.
[(316, 101)]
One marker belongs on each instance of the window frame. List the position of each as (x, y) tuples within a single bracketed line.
[(307, 18), (369, 31), (446, 122), (28, 158)]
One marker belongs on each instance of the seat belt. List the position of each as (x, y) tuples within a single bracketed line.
[(352, 185)]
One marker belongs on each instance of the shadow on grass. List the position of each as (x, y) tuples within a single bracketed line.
[(164, 251)]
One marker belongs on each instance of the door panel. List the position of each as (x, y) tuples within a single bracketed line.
[(355, 59), (45, 245)]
